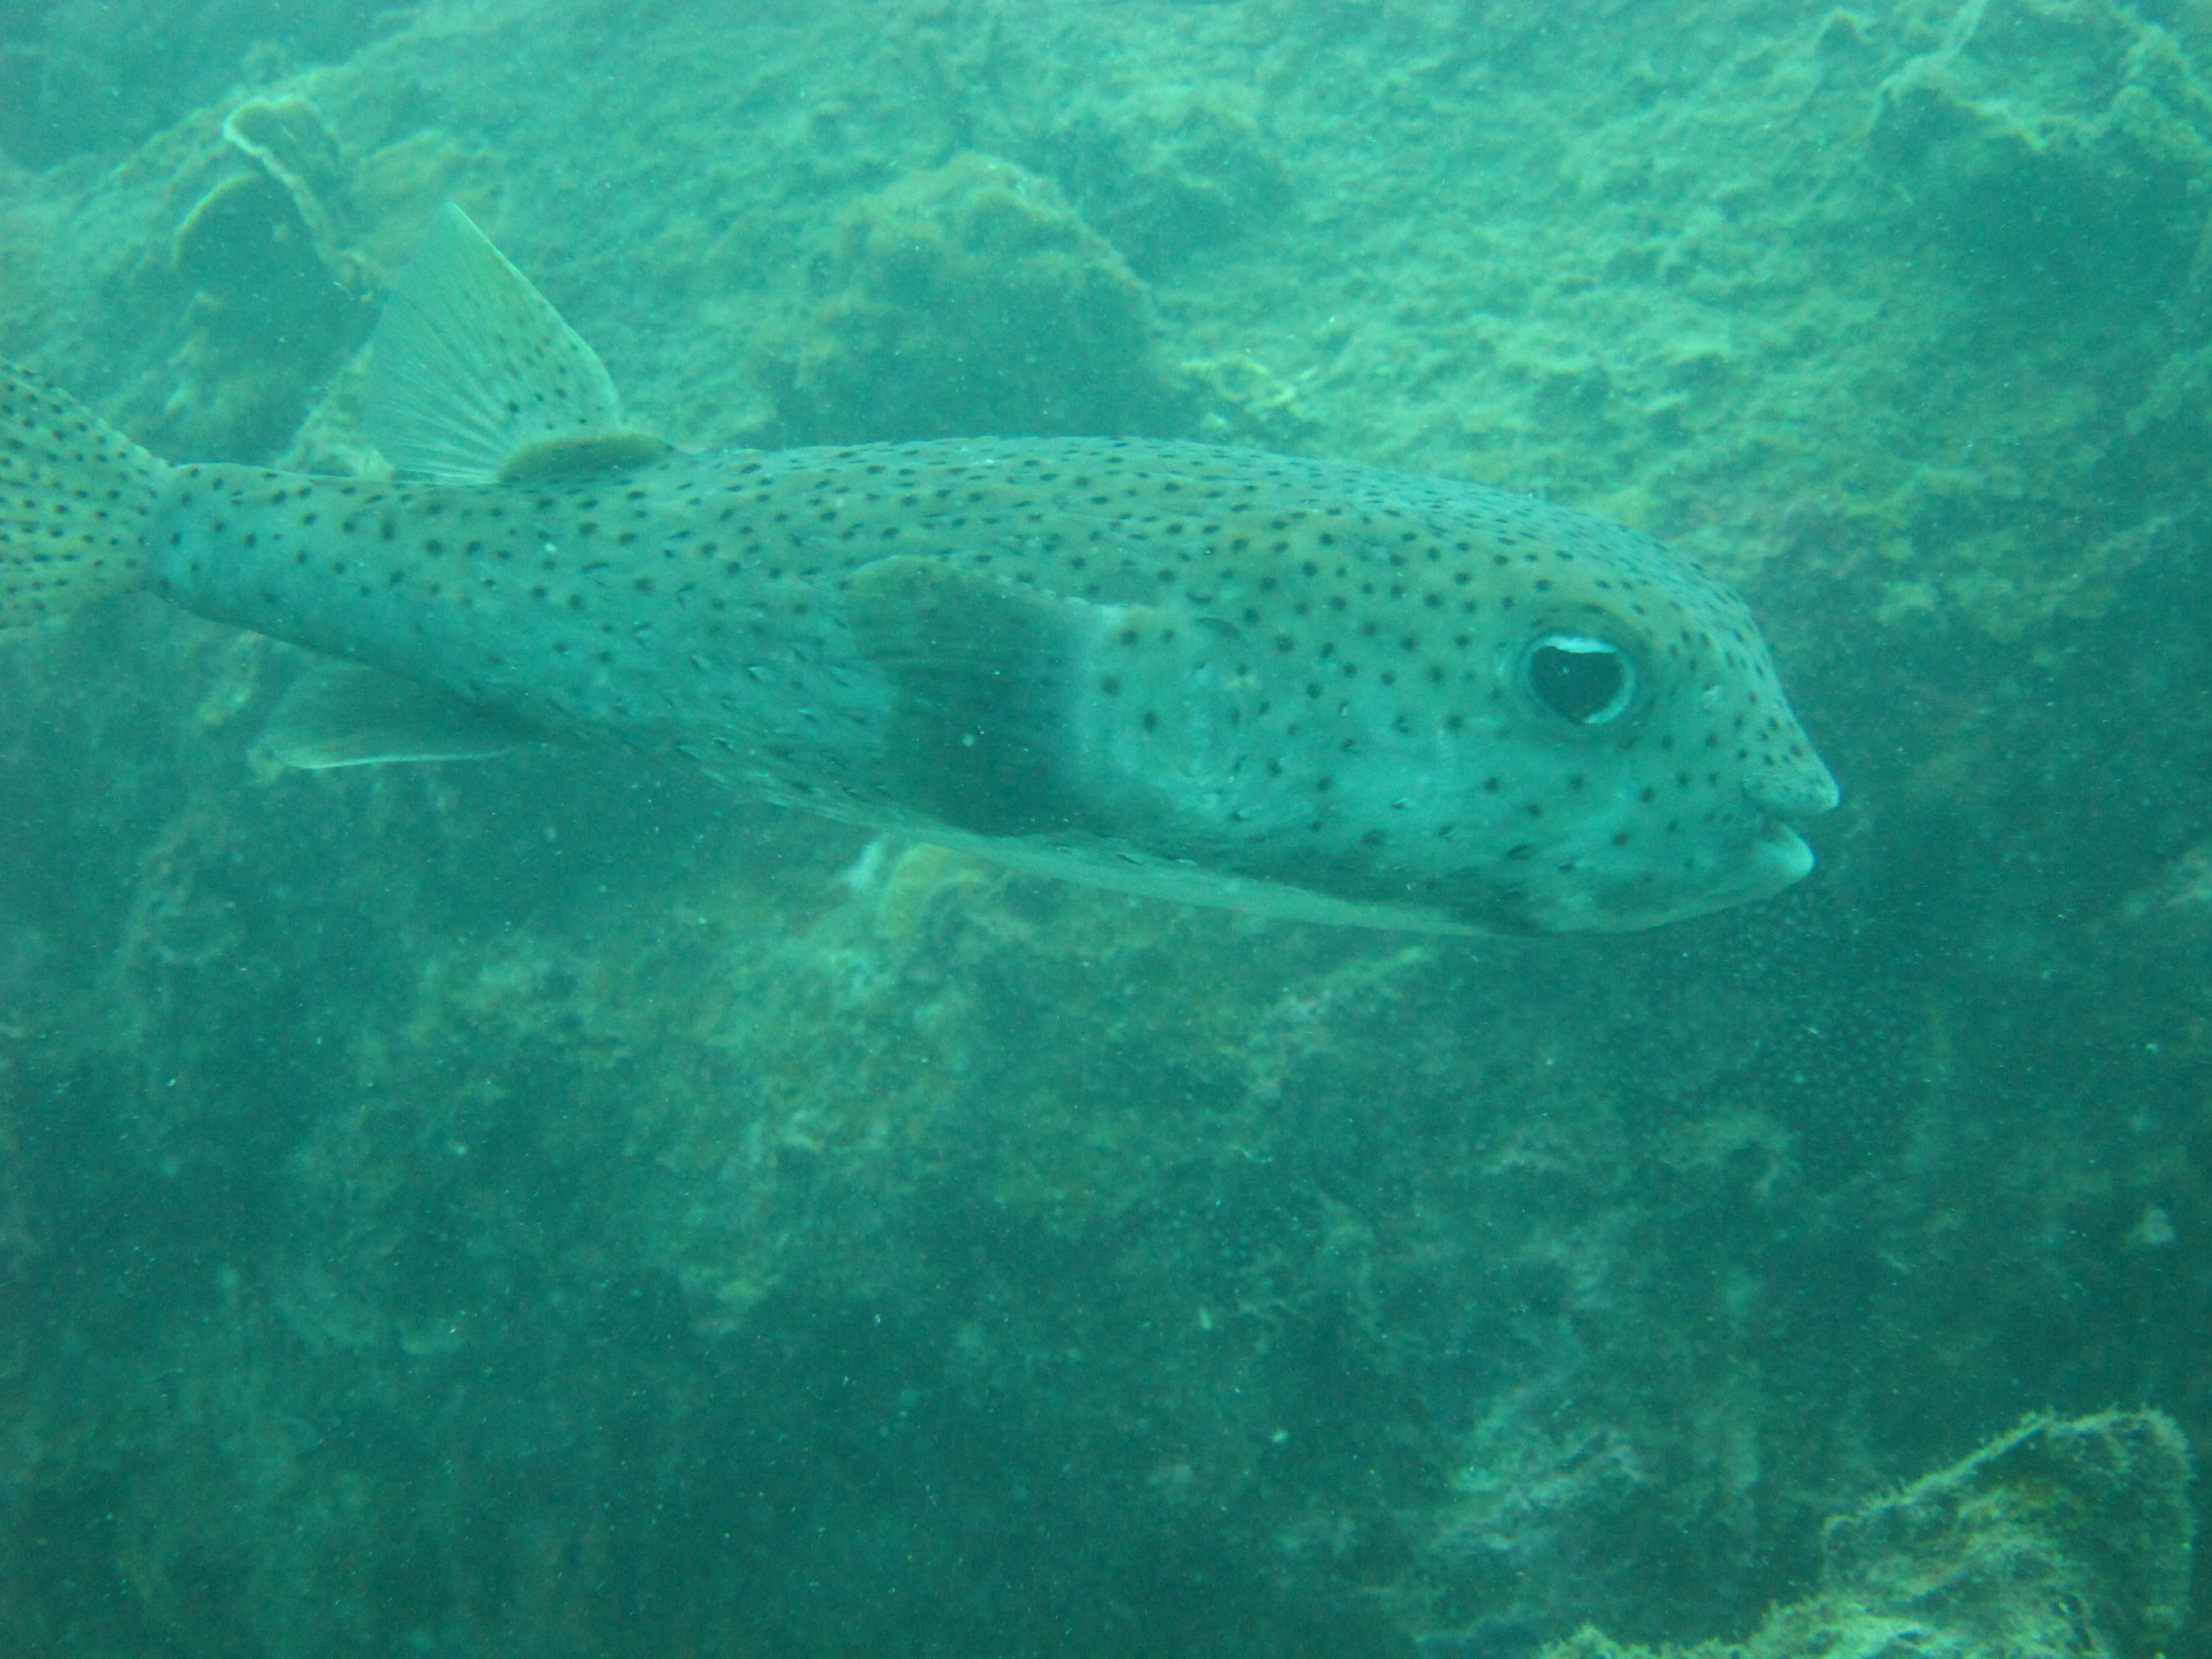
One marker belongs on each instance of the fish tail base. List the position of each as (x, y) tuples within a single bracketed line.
[(77, 499)]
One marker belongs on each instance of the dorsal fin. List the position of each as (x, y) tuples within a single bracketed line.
[(471, 371)]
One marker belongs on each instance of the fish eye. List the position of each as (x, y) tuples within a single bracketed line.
[(1589, 682)]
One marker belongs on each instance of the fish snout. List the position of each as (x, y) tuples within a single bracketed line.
[(1799, 792)]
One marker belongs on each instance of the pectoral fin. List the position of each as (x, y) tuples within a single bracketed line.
[(339, 715), (981, 733)]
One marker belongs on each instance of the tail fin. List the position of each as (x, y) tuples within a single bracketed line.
[(77, 499)]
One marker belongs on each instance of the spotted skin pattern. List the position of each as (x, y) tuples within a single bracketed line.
[(1304, 687), (77, 499)]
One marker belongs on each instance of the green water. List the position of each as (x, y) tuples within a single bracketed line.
[(548, 1209)]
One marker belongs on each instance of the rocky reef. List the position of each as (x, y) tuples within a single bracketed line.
[(2059, 1537), (547, 1206)]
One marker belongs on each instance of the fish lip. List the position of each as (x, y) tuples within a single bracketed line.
[(1775, 857), (1806, 793), (1785, 858)]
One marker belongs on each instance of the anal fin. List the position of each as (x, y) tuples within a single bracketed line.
[(338, 714)]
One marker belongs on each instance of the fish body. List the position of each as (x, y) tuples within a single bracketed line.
[(1302, 687)]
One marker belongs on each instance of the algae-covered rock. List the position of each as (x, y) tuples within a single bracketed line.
[(76, 75), (545, 1208), (2046, 138), (2059, 1540), (266, 250), (971, 300), (1167, 172), (2059, 1537)]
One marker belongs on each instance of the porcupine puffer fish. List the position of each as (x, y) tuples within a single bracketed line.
[(1299, 687)]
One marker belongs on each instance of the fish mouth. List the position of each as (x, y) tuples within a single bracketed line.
[(1783, 857), (1764, 857), (1775, 857), (1804, 792), (1780, 855)]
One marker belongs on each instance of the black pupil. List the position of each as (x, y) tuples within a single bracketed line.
[(1580, 684)]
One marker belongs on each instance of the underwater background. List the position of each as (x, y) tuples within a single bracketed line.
[(549, 1208)]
